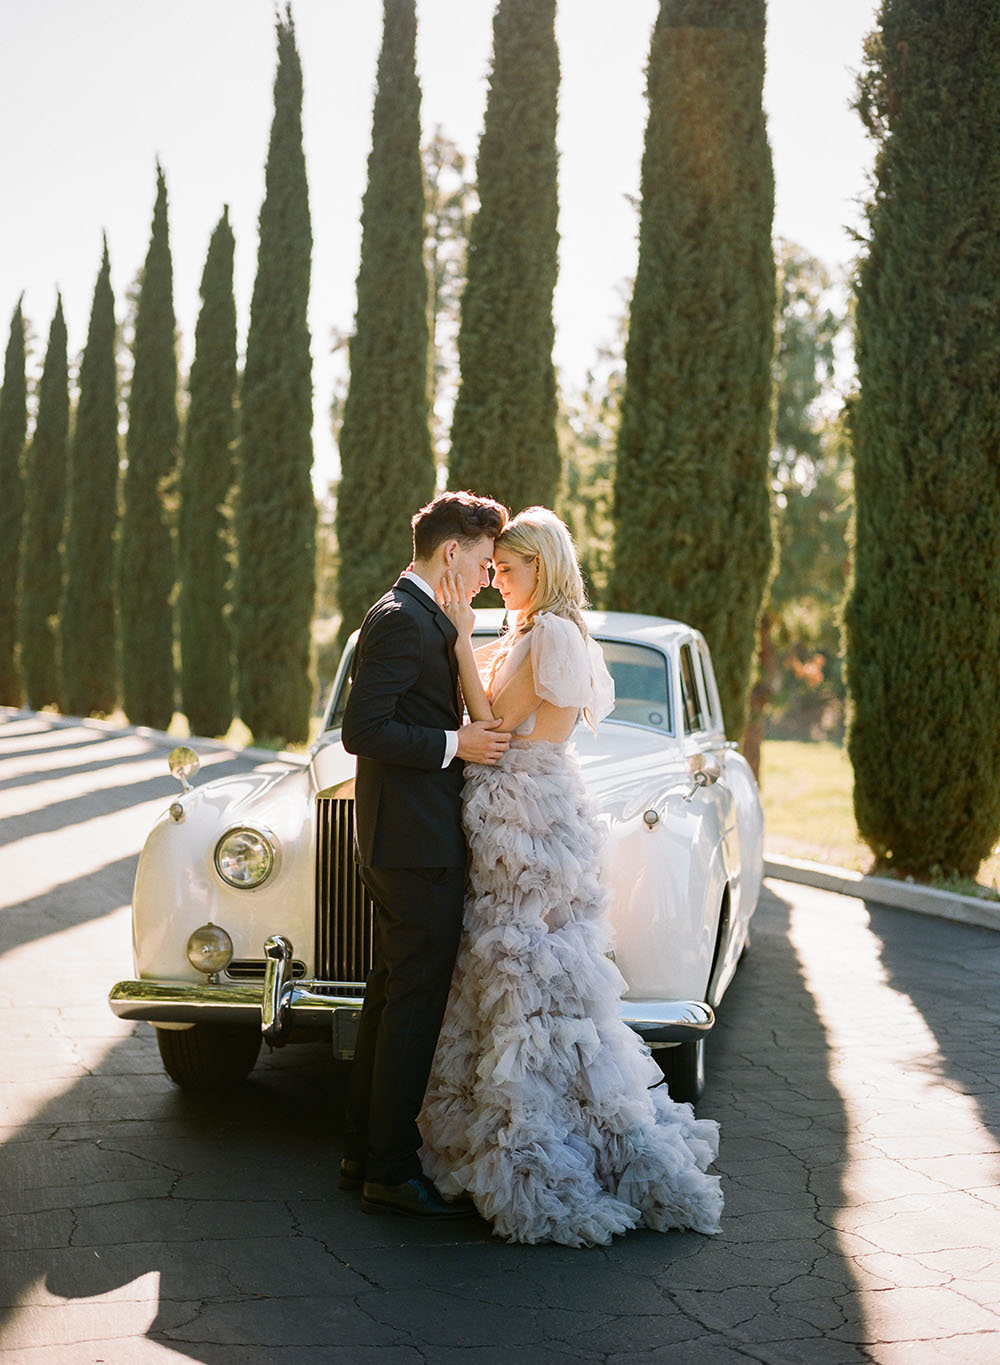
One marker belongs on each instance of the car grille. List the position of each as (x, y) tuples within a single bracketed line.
[(344, 909)]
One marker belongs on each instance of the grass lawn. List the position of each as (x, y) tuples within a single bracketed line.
[(808, 808)]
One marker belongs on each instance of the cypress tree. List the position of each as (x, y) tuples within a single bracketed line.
[(13, 429), (923, 617), (503, 433), (88, 657), (204, 540), (386, 461), (147, 572), (45, 503), (692, 515), (276, 512)]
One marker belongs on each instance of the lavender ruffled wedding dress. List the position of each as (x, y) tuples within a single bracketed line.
[(542, 1105)]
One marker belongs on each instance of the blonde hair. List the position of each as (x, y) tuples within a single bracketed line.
[(536, 533)]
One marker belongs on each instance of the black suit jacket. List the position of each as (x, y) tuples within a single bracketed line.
[(403, 697)]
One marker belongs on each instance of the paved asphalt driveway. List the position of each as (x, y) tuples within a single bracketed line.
[(854, 1072)]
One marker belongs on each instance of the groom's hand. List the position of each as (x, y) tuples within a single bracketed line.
[(481, 742)]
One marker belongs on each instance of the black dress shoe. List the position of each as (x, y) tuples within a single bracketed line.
[(352, 1174), (414, 1198)]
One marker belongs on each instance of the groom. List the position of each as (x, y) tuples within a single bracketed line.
[(403, 721)]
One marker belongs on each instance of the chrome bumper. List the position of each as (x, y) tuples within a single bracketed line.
[(276, 1007), (283, 1003), (662, 1022)]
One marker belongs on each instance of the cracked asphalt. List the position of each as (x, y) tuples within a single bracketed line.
[(854, 1072)]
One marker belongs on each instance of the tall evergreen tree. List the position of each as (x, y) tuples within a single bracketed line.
[(923, 618), (692, 512), (87, 617), (387, 466), (45, 504), (503, 434), (147, 569), (449, 207), (204, 539), (13, 429), (276, 511)]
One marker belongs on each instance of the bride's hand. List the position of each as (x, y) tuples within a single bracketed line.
[(454, 602)]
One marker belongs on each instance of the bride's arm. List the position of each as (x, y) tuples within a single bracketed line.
[(513, 703), (455, 604), (476, 701), (516, 699)]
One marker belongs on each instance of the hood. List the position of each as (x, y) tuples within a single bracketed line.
[(236, 799)]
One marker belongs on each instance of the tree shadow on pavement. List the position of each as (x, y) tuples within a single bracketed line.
[(951, 972), (69, 904), (71, 770), (231, 1200), (60, 815)]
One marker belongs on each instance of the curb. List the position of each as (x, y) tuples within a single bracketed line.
[(923, 900)]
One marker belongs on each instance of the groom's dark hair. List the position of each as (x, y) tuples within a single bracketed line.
[(456, 516)]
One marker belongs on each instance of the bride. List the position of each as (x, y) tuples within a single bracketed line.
[(542, 1105)]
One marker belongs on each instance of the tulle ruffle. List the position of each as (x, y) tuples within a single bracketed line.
[(542, 1105)]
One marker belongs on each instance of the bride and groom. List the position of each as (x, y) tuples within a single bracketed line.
[(492, 1072)]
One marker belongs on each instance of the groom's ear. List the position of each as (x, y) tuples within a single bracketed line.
[(449, 549)]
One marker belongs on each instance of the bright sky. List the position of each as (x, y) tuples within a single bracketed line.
[(97, 89)]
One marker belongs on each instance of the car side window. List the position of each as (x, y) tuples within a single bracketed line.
[(642, 689), (691, 697), (712, 717)]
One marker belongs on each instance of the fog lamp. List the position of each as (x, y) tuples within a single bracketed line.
[(210, 949), (244, 858)]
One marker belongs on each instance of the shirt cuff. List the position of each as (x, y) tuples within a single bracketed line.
[(450, 746)]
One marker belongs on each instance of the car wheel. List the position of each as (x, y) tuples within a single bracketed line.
[(208, 1056), (683, 1068)]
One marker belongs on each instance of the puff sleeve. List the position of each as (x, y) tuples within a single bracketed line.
[(569, 669)]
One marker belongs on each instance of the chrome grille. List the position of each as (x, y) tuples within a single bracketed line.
[(344, 908)]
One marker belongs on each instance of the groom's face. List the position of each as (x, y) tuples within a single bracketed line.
[(473, 562)]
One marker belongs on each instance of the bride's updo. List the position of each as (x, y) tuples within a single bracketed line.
[(537, 533)]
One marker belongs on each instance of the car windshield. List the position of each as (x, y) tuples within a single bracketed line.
[(642, 688)]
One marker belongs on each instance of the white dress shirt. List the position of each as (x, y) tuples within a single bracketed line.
[(450, 736)]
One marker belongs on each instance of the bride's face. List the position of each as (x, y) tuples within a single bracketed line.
[(515, 579)]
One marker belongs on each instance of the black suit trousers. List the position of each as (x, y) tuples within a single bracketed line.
[(418, 920)]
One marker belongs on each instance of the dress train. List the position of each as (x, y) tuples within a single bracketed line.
[(542, 1105)]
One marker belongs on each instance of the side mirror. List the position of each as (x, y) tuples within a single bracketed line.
[(705, 770), (184, 764)]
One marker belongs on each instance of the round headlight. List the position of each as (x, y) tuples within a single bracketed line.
[(244, 857), (210, 949)]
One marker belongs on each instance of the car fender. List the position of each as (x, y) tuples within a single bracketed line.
[(177, 887), (666, 882)]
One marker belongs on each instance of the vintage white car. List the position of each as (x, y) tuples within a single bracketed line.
[(250, 921)]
